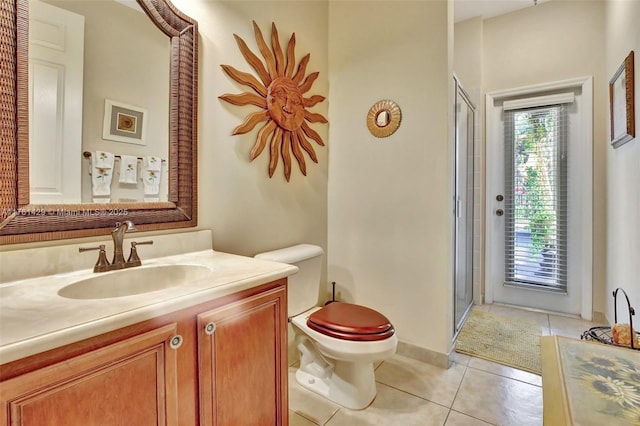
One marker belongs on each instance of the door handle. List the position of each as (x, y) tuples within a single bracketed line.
[(499, 212)]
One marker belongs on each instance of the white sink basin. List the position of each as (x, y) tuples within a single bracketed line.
[(133, 281)]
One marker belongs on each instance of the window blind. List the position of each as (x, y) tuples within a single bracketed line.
[(536, 197)]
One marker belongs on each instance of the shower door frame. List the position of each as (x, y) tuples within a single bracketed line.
[(463, 206)]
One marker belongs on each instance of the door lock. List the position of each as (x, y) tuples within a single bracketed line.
[(499, 212), (499, 197)]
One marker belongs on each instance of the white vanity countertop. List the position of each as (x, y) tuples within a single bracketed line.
[(34, 318)]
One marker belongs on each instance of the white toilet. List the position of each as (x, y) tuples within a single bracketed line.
[(339, 342)]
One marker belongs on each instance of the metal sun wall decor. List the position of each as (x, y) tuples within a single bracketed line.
[(279, 93)]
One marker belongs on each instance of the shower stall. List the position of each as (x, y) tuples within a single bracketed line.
[(463, 204)]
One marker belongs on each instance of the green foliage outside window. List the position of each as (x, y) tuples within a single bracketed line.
[(534, 192)]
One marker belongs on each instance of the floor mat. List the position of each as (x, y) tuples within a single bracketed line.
[(506, 340)]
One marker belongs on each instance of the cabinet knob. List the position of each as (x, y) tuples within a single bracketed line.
[(210, 328), (176, 341)]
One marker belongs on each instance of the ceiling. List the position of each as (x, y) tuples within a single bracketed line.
[(462, 9), (466, 9)]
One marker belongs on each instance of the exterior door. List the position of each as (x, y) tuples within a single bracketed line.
[(56, 63), (538, 246)]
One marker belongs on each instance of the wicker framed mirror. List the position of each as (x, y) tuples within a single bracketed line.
[(21, 221)]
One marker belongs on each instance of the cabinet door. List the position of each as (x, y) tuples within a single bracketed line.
[(242, 356), (132, 382)]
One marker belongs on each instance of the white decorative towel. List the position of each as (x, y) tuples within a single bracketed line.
[(103, 159), (128, 169), (101, 174), (151, 177), (154, 163)]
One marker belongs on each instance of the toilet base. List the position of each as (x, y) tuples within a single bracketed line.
[(350, 384)]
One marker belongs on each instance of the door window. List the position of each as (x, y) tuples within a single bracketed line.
[(536, 197)]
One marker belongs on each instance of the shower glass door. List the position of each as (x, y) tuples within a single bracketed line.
[(464, 146)]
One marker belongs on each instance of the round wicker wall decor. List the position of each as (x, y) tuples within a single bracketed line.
[(383, 118)]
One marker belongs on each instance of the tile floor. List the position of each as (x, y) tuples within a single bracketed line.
[(473, 392)]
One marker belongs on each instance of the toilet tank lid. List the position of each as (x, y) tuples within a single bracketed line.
[(292, 254)]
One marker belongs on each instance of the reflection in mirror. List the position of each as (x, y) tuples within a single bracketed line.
[(78, 62), (24, 221), (382, 119)]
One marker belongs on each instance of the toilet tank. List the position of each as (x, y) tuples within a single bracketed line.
[(302, 288)]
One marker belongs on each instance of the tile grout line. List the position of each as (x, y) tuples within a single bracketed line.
[(413, 394), (466, 368), (473, 417), (507, 377), (456, 396), (331, 417)]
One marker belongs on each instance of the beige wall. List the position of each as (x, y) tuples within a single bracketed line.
[(390, 238), (467, 63), (247, 211), (623, 167), (553, 41)]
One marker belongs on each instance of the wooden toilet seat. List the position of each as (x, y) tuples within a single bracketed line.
[(348, 321)]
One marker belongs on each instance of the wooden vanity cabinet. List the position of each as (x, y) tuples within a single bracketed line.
[(242, 355), (129, 382), (234, 372)]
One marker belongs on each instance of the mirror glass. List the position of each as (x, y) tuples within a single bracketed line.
[(133, 121), (382, 119), (90, 90)]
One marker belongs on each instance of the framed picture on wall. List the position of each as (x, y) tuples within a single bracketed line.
[(621, 104), (124, 123)]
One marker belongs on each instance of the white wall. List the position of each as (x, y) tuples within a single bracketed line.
[(557, 40), (390, 238), (623, 168)]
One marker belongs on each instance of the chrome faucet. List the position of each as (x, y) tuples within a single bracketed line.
[(118, 262), (118, 237)]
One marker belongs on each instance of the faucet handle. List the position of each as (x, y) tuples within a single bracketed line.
[(134, 259), (102, 264)]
